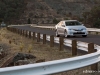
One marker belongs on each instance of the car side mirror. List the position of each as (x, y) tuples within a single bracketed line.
[(82, 24), (63, 25)]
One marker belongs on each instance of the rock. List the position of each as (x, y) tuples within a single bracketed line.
[(40, 60), (21, 56), (21, 62), (2, 53)]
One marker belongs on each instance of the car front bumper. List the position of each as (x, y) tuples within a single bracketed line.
[(73, 33)]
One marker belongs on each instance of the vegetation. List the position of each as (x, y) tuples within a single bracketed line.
[(29, 21), (93, 17), (55, 21), (11, 9)]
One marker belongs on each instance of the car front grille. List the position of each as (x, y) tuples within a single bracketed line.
[(79, 33)]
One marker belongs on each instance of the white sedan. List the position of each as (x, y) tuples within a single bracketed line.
[(70, 28)]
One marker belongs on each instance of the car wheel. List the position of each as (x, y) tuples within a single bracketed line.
[(84, 35), (65, 34), (57, 35)]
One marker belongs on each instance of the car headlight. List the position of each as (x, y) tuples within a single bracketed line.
[(70, 29), (83, 28)]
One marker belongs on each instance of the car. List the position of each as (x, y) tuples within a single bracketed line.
[(3, 24), (70, 28)]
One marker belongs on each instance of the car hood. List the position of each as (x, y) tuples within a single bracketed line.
[(75, 27)]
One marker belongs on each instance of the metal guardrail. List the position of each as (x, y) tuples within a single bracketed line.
[(53, 28), (56, 66)]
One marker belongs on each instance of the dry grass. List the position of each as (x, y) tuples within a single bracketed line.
[(19, 43), (15, 43)]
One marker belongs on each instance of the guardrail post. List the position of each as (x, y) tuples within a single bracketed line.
[(38, 37), (26, 33), (16, 30), (61, 41), (33, 35), (10, 28), (91, 50), (30, 34), (23, 33), (52, 41), (74, 47), (13, 30), (7, 28), (97, 33), (44, 38), (20, 31)]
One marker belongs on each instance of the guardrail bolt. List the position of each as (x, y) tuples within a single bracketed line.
[(44, 38), (61, 41), (91, 50), (52, 41), (38, 37), (74, 47)]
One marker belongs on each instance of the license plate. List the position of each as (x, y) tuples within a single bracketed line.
[(79, 32)]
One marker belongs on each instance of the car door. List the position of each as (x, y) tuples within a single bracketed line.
[(62, 28), (59, 28)]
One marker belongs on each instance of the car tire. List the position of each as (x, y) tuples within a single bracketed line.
[(65, 34), (57, 35), (84, 35)]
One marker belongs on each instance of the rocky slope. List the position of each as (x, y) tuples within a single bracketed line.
[(44, 11)]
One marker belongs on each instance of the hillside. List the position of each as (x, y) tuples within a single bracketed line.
[(45, 11)]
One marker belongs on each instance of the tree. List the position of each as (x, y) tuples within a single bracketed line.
[(55, 21), (93, 17), (85, 16), (29, 21), (11, 9)]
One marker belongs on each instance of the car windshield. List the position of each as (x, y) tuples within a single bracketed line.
[(72, 23)]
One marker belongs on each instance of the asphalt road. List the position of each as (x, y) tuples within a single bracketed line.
[(89, 39)]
